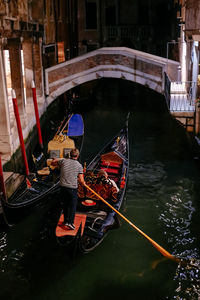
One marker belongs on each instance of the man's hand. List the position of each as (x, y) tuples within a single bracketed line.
[(54, 161)]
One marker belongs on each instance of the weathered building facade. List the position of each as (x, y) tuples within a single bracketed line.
[(191, 9), (33, 35), (21, 62), (138, 24), (186, 48)]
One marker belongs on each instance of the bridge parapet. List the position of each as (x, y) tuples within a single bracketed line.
[(112, 62)]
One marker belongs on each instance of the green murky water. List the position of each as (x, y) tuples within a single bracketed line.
[(162, 199)]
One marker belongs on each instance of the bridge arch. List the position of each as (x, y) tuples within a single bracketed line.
[(123, 63)]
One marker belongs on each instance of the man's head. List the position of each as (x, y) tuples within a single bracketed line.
[(74, 153)]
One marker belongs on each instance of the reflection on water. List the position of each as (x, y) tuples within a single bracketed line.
[(3, 254), (174, 208), (147, 176), (176, 218), (188, 274), (162, 199)]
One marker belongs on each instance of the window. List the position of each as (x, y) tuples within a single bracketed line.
[(110, 16), (51, 8), (91, 14), (8, 73), (61, 52), (143, 13)]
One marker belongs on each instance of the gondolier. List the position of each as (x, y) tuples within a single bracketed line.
[(70, 175)]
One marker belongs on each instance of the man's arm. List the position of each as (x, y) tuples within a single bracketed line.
[(81, 179), (114, 184)]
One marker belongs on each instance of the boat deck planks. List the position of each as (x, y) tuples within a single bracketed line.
[(79, 220)]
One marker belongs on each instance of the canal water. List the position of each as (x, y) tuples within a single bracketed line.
[(162, 199)]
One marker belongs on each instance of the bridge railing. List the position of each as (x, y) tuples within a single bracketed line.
[(127, 32), (167, 89), (180, 96)]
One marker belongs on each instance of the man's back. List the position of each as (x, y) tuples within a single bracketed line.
[(70, 168)]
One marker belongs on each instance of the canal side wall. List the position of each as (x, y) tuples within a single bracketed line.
[(14, 168), (48, 126)]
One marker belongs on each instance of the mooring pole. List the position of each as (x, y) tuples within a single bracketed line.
[(2, 184), (19, 127), (37, 114)]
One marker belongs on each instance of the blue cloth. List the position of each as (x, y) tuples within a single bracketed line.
[(75, 126), (107, 222)]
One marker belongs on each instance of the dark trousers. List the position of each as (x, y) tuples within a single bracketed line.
[(69, 199)]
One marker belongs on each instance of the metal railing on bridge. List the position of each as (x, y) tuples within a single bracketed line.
[(127, 32), (180, 96)]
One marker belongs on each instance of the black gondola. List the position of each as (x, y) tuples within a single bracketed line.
[(37, 186), (94, 219)]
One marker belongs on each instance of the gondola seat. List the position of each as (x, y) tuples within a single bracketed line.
[(60, 146), (110, 170), (111, 159), (110, 164)]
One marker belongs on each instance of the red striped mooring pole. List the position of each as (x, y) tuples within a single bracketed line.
[(19, 127), (37, 114)]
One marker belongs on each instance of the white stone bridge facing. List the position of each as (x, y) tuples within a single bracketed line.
[(129, 64)]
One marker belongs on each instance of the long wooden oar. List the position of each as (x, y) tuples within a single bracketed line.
[(157, 246)]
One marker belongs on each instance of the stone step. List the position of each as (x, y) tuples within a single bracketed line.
[(12, 181)]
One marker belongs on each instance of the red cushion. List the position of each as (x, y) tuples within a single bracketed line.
[(110, 163), (109, 170)]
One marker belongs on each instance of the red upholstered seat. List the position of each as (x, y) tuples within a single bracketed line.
[(110, 164), (110, 171)]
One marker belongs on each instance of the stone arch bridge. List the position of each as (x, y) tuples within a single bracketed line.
[(129, 64)]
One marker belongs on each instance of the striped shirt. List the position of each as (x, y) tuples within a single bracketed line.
[(70, 169)]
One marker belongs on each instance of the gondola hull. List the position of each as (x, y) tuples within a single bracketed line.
[(100, 219), (38, 187)]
